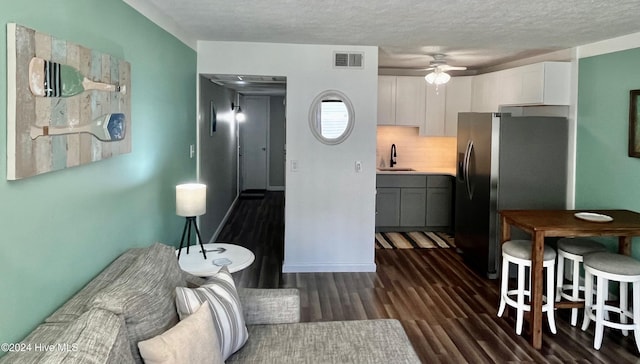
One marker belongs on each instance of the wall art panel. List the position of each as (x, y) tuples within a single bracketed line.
[(67, 105)]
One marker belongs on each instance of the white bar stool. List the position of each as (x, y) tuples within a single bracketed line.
[(607, 267), (519, 252), (573, 249)]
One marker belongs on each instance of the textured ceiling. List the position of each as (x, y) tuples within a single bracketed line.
[(476, 34)]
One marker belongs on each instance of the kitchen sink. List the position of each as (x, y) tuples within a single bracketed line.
[(396, 169)]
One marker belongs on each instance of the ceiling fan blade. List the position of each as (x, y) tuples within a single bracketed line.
[(453, 68), (430, 69)]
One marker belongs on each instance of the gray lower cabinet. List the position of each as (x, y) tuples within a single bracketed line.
[(388, 207), (439, 207), (412, 206), (439, 201), (407, 202)]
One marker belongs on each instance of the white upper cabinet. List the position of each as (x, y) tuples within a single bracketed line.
[(443, 106), (410, 100), (401, 100), (458, 99), (434, 124), (484, 93), (545, 83), (386, 100)]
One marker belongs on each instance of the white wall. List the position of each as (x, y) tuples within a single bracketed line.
[(217, 157), (329, 208)]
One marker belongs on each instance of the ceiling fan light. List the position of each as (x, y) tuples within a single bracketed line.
[(442, 78), (437, 78), (430, 78)]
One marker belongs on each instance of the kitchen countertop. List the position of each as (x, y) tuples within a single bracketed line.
[(429, 171)]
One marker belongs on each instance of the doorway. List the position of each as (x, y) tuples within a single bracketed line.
[(234, 156), (254, 137)]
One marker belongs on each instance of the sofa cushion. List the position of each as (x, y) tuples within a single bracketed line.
[(78, 304), (366, 341), (145, 295), (263, 306), (192, 340), (220, 292), (97, 336)]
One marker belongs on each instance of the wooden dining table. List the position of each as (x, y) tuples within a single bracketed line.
[(563, 223)]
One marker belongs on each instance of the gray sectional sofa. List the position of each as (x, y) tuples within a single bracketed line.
[(133, 299)]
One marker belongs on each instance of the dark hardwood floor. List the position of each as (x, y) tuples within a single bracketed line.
[(448, 311)]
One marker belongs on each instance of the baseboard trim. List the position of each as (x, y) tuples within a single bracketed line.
[(214, 237), (275, 188), (327, 268)]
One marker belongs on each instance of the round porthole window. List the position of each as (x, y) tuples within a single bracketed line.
[(331, 117)]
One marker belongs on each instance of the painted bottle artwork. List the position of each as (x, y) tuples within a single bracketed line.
[(107, 128), (52, 79), (67, 105)]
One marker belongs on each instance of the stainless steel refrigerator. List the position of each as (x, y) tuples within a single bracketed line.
[(504, 162)]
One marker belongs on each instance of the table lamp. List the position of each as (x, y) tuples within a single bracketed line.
[(191, 201)]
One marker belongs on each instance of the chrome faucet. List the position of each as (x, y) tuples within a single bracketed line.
[(393, 155)]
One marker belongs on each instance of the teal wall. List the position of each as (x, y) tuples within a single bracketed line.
[(58, 230), (605, 176)]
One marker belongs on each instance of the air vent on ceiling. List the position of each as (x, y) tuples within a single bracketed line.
[(348, 59)]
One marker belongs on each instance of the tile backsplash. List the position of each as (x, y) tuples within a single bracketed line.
[(414, 151)]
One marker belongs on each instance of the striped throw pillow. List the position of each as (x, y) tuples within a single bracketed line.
[(220, 292)]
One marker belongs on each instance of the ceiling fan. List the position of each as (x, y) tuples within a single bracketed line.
[(439, 68)]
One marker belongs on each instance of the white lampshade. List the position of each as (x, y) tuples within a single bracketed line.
[(191, 199), (437, 78)]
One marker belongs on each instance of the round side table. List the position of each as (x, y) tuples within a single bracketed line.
[(233, 256)]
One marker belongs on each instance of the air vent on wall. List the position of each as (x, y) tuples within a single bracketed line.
[(348, 59)]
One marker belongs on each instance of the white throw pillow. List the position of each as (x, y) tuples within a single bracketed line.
[(220, 292), (192, 340)]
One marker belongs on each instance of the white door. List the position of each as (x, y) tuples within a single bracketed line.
[(254, 142)]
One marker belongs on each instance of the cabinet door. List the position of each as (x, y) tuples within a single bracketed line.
[(532, 88), (510, 83), (410, 100), (458, 99), (546, 83), (386, 100), (439, 207), (485, 96), (435, 104), (557, 83), (388, 207), (412, 206)]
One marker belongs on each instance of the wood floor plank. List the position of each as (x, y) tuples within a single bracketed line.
[(505, 341), (451, 349), (358, 312), (428, 338), (425, 350), (447, 310), (469, 347)]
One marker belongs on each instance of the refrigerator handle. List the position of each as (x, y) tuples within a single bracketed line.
[(467, 157), (462, 158)]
